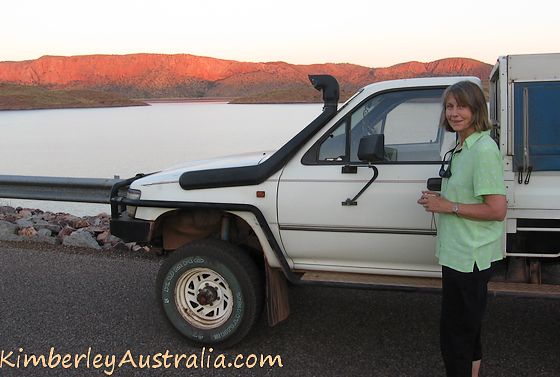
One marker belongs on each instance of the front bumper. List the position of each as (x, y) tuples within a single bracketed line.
[(127, 228), (131, 230)]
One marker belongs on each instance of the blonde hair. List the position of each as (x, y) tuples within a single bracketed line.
[(467, 93)]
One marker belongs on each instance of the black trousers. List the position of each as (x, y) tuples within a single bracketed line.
[(462, 310)]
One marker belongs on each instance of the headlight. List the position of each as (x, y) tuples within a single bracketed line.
[(135, 195)]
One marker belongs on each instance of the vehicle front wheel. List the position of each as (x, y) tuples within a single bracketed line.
[(211, 292)]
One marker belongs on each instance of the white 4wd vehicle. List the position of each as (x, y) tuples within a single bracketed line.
[(337, 203)]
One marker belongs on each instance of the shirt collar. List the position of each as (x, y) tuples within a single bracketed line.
[(473, 138)]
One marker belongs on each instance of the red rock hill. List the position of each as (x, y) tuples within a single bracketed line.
[(155, 75)]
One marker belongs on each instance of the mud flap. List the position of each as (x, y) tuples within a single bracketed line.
[(277, 302)]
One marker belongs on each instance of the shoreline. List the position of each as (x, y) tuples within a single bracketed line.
[(63, 107), (149, 102), (186, 100), (15, 97), (22, 97)]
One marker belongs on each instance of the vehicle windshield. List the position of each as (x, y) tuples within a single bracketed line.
[(350, 99)]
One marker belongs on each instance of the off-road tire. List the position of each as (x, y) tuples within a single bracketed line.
[(226, 273)]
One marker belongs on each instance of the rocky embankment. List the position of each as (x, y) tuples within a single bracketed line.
[(35, 225)]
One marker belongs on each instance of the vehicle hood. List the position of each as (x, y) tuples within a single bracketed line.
[(172, 174)]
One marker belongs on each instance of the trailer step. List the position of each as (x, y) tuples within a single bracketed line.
[(422, 283), (525, 289)]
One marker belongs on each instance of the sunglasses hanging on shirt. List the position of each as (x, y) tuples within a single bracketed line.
[(446, 172)]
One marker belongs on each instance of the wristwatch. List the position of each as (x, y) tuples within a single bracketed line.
[(455, 209)]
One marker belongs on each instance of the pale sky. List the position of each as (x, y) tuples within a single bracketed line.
[(373, 33)]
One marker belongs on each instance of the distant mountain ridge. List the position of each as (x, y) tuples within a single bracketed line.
[(183, 75)]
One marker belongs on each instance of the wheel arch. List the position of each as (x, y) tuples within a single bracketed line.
[(243, 228), (178, 227)]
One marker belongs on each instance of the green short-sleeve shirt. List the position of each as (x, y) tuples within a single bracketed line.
[(476, 170)]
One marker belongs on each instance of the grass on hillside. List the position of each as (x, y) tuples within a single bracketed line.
[(22, 97), (304, 94)]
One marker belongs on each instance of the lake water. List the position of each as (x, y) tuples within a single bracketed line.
[(102, 143)]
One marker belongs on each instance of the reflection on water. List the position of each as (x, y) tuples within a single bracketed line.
[(124, 141)]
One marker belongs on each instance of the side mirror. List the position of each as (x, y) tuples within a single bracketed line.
[(372, 148)]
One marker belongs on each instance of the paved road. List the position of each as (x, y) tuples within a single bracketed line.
[(74, 300)]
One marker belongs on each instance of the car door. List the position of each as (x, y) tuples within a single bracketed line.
[(385, 231)]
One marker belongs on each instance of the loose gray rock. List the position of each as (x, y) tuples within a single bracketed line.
[(24, 212), (42, 224), (7, 210), (44, 232), (11, 237), (107, 238), (7, 228), (81, 239), (47, 240), (24, 223)]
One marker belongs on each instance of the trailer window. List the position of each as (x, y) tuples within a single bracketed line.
[(494, 99)]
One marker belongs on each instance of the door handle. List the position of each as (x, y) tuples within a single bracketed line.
[(349, 169)]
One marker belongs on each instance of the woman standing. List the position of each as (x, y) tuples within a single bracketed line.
[(471, 208)]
